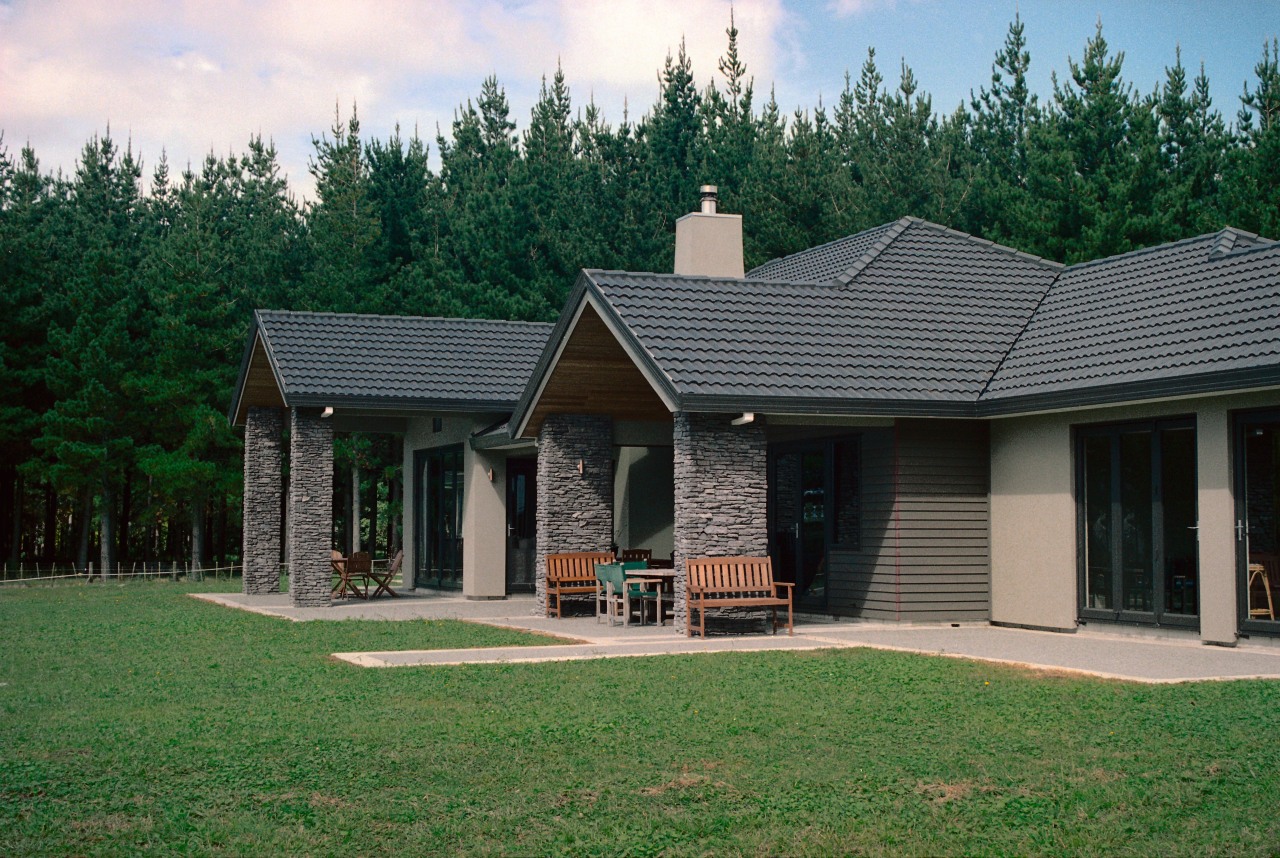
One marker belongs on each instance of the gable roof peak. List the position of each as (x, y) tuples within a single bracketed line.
[(985, 242), (1229, 239)]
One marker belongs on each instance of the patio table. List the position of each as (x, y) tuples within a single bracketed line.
[(665, 581)]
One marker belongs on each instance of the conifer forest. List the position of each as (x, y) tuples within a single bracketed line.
[(126, 303)]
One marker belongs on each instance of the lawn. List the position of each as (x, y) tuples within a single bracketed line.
[(136, 719)]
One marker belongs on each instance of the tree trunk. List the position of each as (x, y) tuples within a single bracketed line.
[(107, 535), (221, 553), (15, 545), (86, 523), (126, 513), (197, 539), (354, 518), (373, 512), (50, 543)]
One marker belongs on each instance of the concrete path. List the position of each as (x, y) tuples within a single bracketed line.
[(1094, 653)]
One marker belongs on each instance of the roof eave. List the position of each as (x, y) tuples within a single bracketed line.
[(829, 406), (400, 403), (1201, 384)]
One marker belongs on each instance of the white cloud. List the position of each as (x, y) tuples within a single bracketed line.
[(203, 75)]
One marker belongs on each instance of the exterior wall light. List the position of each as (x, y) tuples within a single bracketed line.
[(747, 417)]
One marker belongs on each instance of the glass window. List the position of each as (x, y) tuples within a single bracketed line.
[(1137, 501)]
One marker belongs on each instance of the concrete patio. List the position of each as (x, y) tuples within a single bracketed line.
[(1107, 654)]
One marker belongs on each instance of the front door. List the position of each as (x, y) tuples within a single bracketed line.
[(1137, 525), (1257, 450), (522, 523), (798, 516)]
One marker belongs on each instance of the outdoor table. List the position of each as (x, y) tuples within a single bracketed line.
[(664, 578)]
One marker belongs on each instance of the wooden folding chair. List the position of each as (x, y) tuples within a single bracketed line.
[(382, 577), (352, 572)]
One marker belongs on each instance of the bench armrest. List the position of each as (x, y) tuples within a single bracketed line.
[(784, 583)]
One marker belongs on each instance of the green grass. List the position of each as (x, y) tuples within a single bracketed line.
[(136, 719)]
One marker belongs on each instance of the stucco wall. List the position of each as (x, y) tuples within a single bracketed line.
[(1033, 511), (483, 502)]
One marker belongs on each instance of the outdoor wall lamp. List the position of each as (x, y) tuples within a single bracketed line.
[(580, 468), (328, 411), (747, 417)]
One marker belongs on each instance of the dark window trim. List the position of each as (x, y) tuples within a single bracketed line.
[(828, 446), (1080, 433)]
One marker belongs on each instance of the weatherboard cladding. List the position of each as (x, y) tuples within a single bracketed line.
[(1205, 305), (928, 318), (401, 358)]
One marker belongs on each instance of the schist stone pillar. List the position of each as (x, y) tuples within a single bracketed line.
[(310, 507), (721, 486), (263, 500), (575, 507)]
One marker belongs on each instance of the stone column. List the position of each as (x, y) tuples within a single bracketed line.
[(263, 500), (575, 509), (310, 507), (721, 488)]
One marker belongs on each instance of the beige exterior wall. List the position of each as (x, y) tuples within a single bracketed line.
[(709, 244), (1033, 511), (484, 518), (1033, 523)]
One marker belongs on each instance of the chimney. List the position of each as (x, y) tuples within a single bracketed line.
[(707, 242)]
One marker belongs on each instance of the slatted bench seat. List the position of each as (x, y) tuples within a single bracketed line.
[(572, 575), (734, 582)]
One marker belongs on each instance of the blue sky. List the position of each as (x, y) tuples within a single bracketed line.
[(194, 76)]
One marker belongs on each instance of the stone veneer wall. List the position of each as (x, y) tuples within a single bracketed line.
[(721, 487), (310, 508), (263, 499), (575, 511)]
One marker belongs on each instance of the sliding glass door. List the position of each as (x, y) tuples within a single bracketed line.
[(1136, 490), (437, 500), (1257, 450)]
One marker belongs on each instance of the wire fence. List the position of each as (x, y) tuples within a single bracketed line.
[(33, 573)]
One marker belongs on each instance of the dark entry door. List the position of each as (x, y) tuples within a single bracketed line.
[(1137, 524), (437, 503), (1257, 450), (522, 523), (798, 515)]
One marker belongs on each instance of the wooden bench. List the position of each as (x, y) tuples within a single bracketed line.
[(734, 582), (572, 575)]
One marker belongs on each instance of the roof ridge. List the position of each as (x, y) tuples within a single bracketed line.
[(986, 242), (594, 274), (833, 241), (1213, 237), (890, 234), (330, 315), (1226, 239)]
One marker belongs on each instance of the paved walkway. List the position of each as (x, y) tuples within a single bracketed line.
[(1089, 652)]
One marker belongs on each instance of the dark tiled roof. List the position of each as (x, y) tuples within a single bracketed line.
[(333, 358), (927, 319), (1205, 305), (824, 263)]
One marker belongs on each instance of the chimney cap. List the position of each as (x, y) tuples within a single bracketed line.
[(709, 197)]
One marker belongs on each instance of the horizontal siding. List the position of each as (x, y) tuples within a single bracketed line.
[(924, 556)]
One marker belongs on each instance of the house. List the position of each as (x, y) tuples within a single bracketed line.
[(916, 424)]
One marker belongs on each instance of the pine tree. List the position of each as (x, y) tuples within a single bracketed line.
[(94, 336), (343, 227)]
